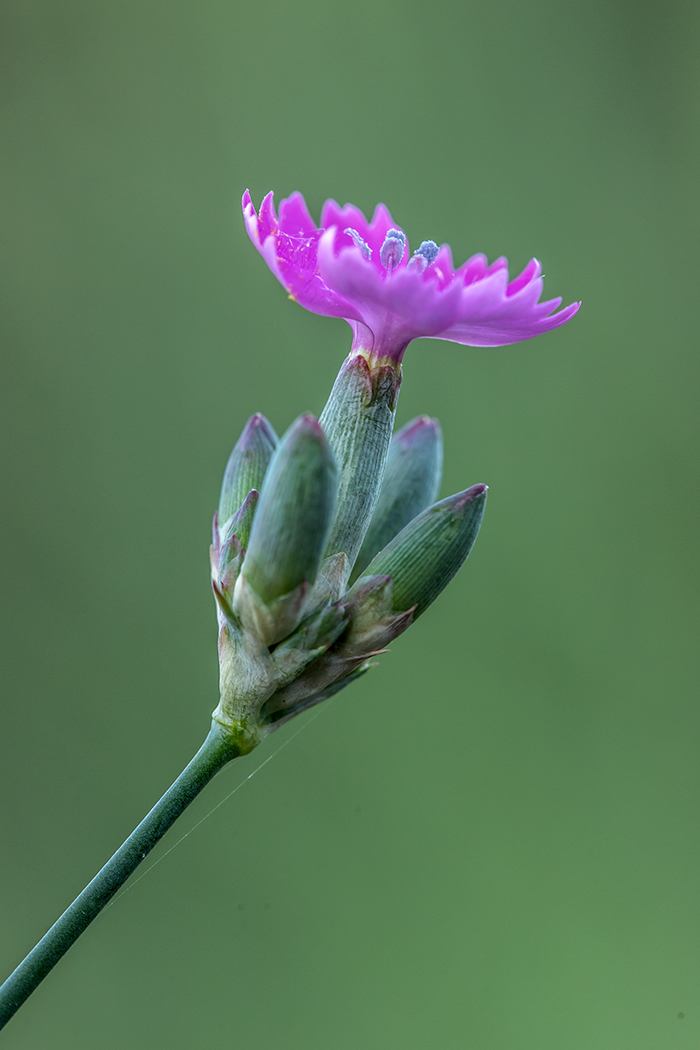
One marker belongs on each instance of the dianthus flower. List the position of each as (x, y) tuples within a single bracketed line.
[(364, 272)]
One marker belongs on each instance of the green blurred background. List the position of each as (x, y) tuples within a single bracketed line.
[(492, 841)]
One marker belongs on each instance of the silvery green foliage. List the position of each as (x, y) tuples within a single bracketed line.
[(291, 633)]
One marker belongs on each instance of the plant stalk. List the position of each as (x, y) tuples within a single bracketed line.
[(215, 752)]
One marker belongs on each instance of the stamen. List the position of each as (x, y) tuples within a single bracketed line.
[(428, 251), (391, 252), (359, 243)]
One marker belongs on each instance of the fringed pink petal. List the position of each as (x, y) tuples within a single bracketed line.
[(533, 269), (267, 219), (501, 263), (332, 272)]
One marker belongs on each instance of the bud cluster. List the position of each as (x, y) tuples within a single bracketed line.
[(327, 544)]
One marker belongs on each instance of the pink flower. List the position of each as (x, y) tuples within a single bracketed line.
[(363, 271)]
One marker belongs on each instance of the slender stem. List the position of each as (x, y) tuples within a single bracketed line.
[(214, 753)]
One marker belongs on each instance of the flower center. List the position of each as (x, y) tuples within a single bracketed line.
[(391, 251)]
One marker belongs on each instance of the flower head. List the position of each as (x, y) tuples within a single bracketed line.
[(364, 271)]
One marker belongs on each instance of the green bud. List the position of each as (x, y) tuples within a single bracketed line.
[(358, 420), (246, 466), (427, 553), (289, 533), (411, 483)]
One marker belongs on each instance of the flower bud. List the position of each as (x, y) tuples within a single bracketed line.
[(246, 466), (289, 532), (427, 553), (411, 483), (358, 420)]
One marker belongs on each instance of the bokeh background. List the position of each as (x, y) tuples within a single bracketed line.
[(492, 841)]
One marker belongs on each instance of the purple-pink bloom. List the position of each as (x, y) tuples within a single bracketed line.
[(363, 271)]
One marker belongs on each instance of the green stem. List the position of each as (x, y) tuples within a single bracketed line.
[(214, 753)]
